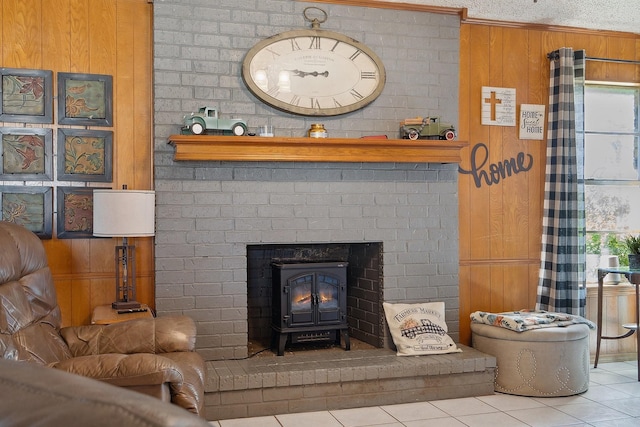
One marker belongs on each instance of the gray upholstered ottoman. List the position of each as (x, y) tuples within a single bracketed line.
[(542, 362)]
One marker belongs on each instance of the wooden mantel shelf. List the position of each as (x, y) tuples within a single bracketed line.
[(280, 149)]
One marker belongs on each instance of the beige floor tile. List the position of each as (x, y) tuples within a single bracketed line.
[(592, 412), (507, 402), (602, 393), (629, 373), (605, 378), (307, 419), (544, 417), (251, 422), (613, 366), (464, 406), (397, 424), (414, 411), (627, 406), (632, 388), (566, 400), (629, 422), (359, 417), (436, 422), (491, 420)]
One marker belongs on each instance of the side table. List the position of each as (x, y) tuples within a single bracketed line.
[(634, 278), (106, 315)]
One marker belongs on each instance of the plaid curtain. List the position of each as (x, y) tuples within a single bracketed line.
[(563, 258)]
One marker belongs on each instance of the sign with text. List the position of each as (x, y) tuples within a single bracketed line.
[(486, 173), (498, 106), (532, 121)]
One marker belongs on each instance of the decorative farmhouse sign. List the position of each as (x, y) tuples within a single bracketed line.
[(531, 121), (498, 106)]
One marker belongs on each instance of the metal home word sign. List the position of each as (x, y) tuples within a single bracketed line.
[(496, 171)]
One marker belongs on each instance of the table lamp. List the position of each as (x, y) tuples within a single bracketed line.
[(124, 213)]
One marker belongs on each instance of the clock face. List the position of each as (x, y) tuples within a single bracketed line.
[(313, 72)]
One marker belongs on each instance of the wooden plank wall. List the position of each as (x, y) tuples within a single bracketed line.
[(103, 37), (500, 224)]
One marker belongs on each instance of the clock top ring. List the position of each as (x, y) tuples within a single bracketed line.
[(313, 72), (315, 22)]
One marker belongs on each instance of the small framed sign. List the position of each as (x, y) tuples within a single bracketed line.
[(498, 106), (532, 121)]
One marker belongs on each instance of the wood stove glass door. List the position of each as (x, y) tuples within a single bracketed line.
[(314, 299), (328, 298), (301, 300)]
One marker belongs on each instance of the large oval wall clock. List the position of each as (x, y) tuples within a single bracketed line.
[(313, 72)]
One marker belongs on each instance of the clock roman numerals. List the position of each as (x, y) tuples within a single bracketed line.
[(315, 43), (318, 103), (357, 95), (273, 53), (368, 75), (294, 45), (355, 55), (273, 91)]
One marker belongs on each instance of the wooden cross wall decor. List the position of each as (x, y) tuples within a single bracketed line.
[(498, 106)]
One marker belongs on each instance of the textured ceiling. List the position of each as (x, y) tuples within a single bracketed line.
[(615, 15)]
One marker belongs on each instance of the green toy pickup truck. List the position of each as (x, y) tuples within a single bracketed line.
[(206, 121), (427, 128)]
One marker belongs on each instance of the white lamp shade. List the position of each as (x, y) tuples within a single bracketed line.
[(123, 213)]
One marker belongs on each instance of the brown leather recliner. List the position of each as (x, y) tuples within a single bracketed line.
[(155, 356), (34, 395)]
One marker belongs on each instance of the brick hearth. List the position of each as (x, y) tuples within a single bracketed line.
[(326, 380)]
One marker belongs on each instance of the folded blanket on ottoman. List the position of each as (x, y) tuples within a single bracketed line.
[(525, 320)]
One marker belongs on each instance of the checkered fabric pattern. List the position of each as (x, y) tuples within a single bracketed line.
[(563, 259)]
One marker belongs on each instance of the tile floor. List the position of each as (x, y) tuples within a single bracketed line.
[(613, 399)]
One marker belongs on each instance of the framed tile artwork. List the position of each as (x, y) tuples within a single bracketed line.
[(75, 212), (31, 207), (85, 99), (26, 154), (26, 96), (85, 155)]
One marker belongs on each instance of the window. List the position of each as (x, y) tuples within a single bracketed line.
[(611, 168)]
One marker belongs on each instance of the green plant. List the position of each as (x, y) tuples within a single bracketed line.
[(617, 246), (633, 244), (594, 243)]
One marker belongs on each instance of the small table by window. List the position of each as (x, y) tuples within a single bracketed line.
[(106, 315), (634, 278)]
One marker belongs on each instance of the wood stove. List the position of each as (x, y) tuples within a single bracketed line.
[(309, 303)]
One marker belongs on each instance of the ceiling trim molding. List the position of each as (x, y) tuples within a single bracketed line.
[(383, 4), (463, 13), (547, 27)]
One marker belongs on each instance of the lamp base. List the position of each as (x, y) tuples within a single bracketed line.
[(125, 305)]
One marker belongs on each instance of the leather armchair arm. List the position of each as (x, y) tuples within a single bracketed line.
[(182, 371), (123, 370), (154, 335)]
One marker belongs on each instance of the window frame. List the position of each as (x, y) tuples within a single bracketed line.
[(611, 240)]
